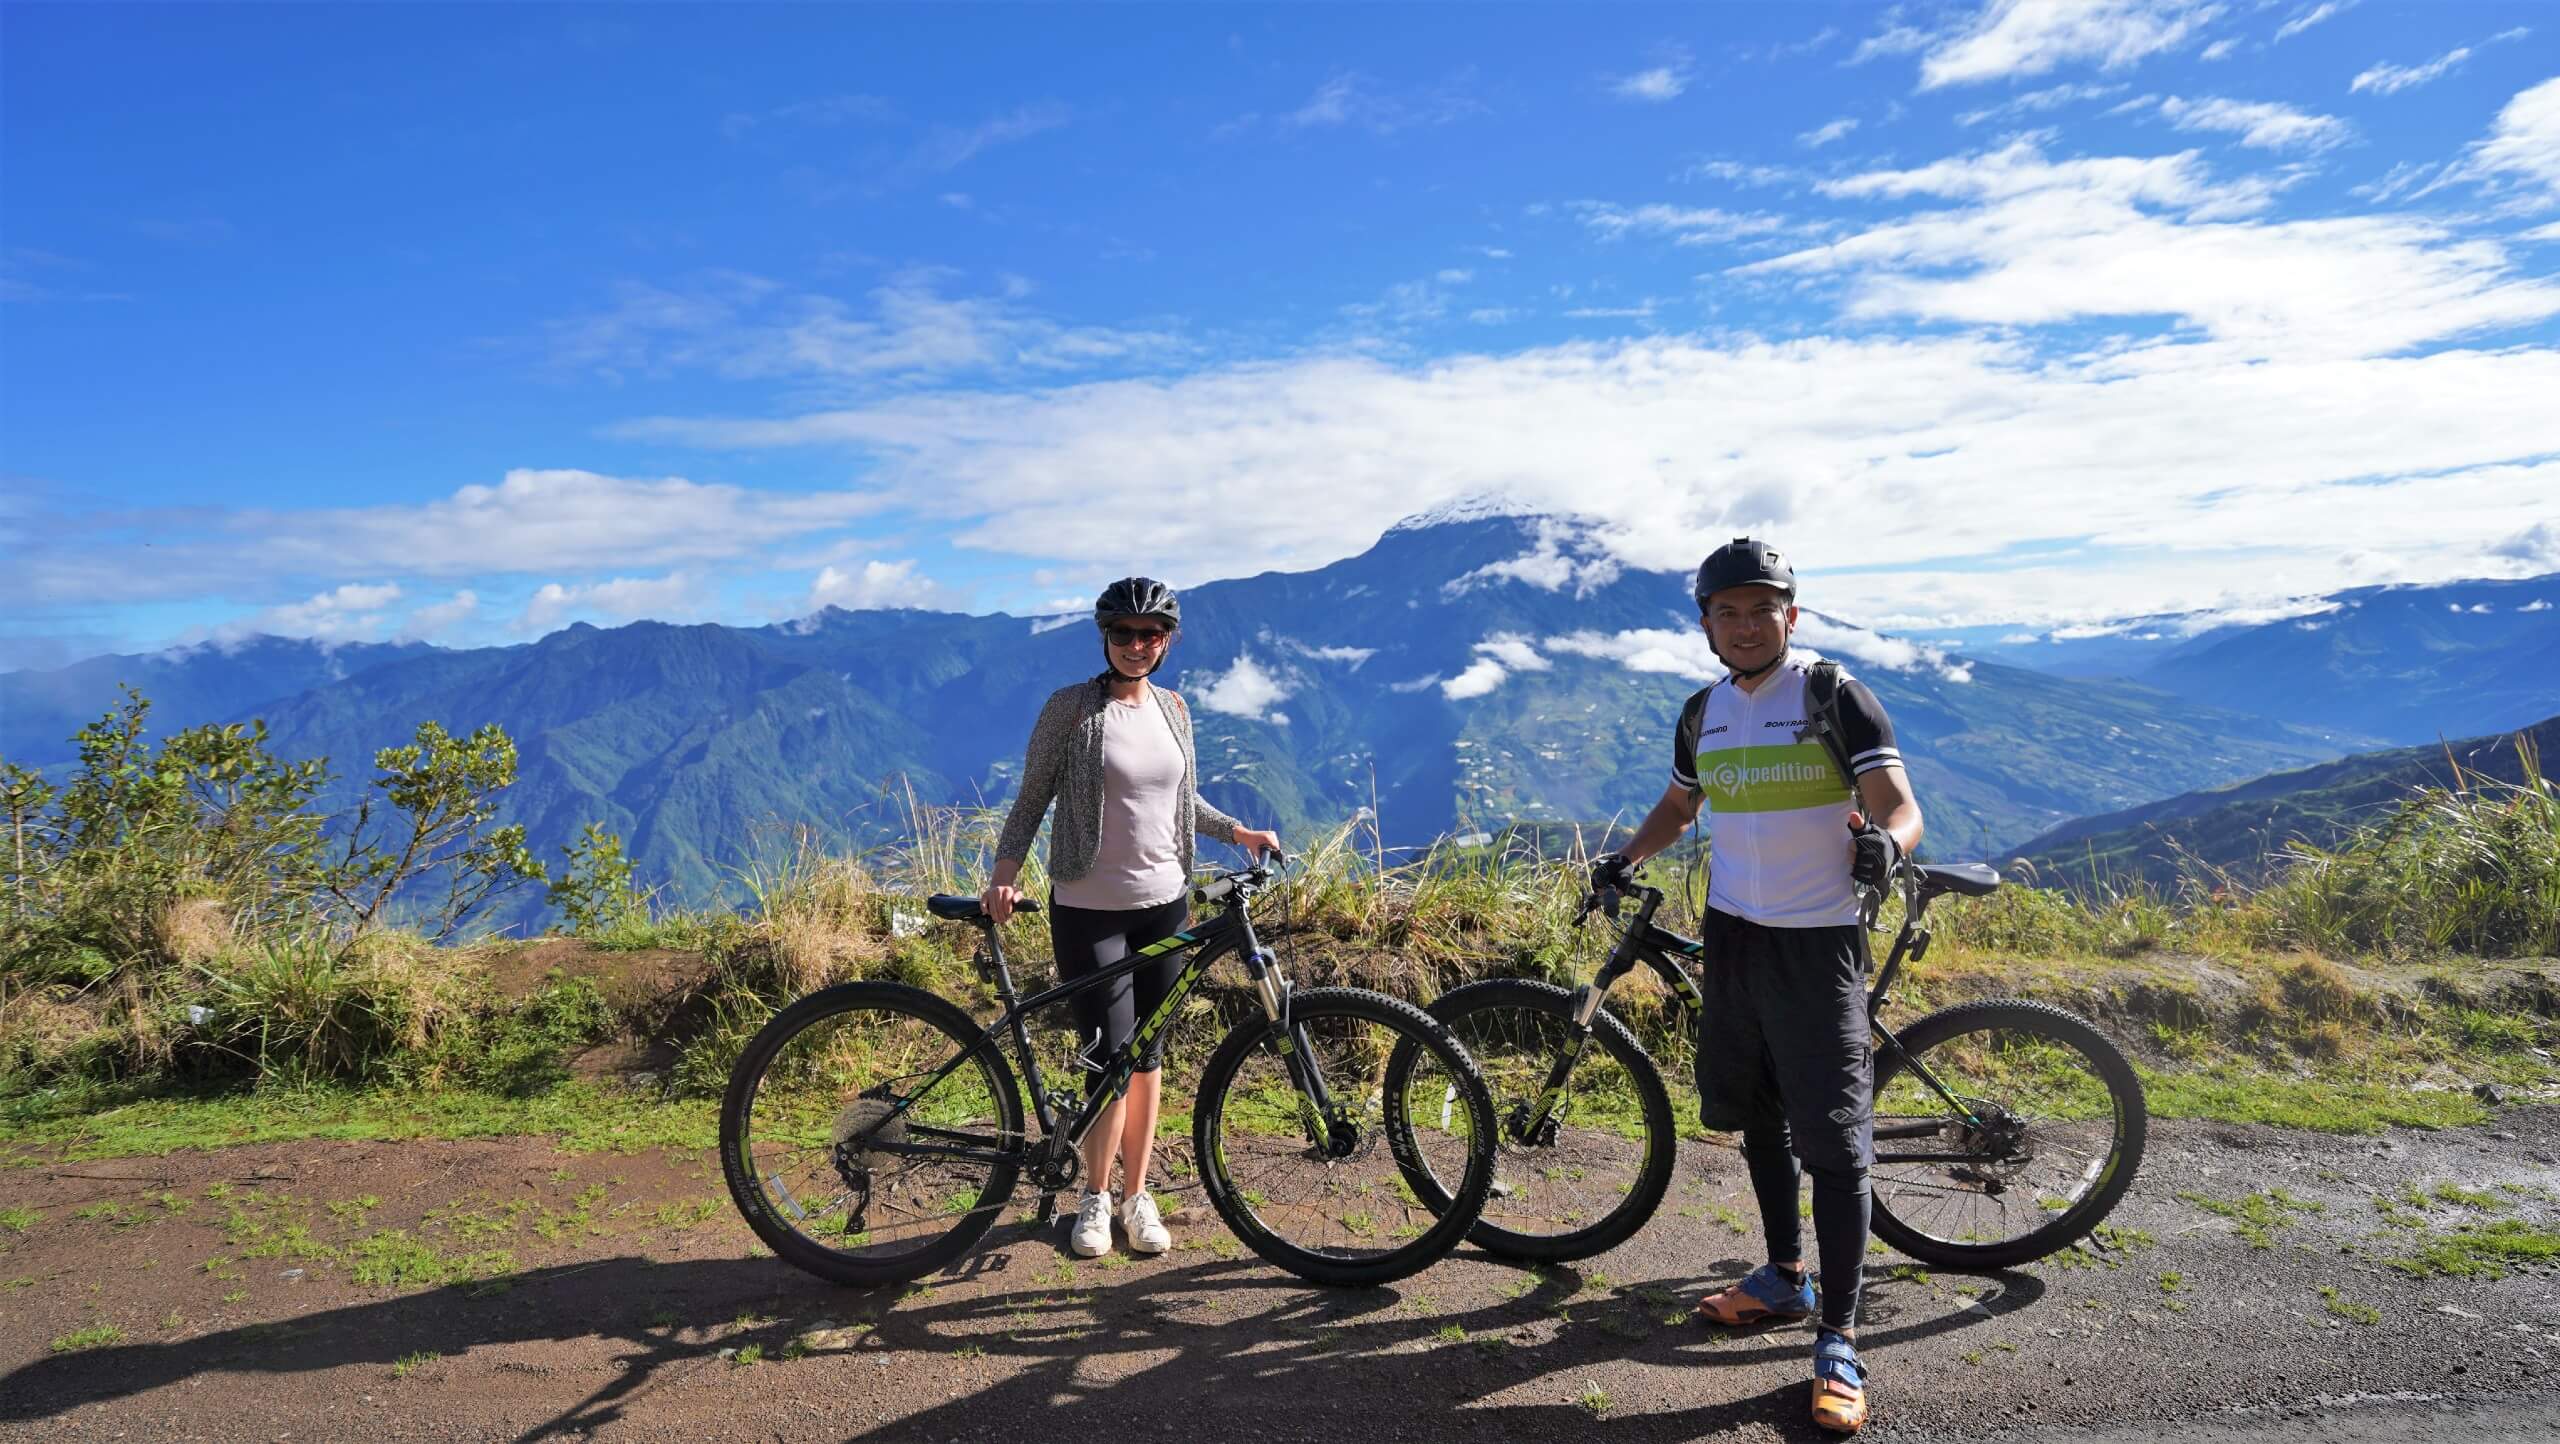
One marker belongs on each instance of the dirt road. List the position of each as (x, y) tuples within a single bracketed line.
[(499, 1290)]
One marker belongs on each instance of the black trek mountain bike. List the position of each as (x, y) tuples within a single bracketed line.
[(872, 1131), (2004, 1129)]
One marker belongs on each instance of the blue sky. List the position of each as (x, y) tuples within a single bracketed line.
[(466, 322)]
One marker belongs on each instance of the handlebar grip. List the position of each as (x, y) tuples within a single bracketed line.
[(1209, 892), (1027, 905)]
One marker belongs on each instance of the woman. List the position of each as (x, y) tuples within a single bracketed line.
[(1115, 754)]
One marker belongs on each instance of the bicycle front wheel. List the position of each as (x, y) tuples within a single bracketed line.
[(844, 1152), (2041, 1138), (1584, 1160), (1321, 1190)]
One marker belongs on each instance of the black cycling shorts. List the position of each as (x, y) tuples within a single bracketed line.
[(1087, 940), (1784, 1038)]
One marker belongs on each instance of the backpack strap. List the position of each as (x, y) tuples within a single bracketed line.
[(1822, 717)]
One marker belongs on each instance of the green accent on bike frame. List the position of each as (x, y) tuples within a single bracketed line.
[(1164, 1012), (1784, 778)]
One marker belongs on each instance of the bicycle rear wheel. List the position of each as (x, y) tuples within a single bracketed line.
[(1324, 1196), (1582, 1178), (2055, 1134), (820, 1110)]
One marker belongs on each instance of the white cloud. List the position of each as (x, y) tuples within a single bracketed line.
[(1481, 676), (2537, 546), (1686, 225), (1248, 689), (432, 621), (1064, 619), (2031, 37), (2389, 79), (1416, 684), (674, 597), (2542, 604), (2525, 140), (744, 327), (1491, 315), (2050, 241), (1560, 555), (354, 612), (2306, 18), (876, 585), (2264, 124), (2037, 102), (1646, 649), (1661, 83), (1454, 276), (1831, 638), (1497, 657), (2218, 50), (1352, 99), (1513, 651), (950, 147), (1828, 132)]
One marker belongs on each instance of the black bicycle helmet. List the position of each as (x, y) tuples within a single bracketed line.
[(1137, 597), (1743, 562)]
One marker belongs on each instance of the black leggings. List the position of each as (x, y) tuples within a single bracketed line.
[(1840, 1209), (1087, 940)]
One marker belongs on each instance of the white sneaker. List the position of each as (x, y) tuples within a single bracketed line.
[(1147, 1233), (1091, 1236)]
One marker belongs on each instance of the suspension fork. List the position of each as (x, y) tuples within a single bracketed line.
[(1315, 1098), (1586, 1009)]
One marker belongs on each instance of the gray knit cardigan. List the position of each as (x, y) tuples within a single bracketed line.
[(1064, 764)]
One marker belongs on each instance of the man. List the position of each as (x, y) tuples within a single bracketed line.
[(1783, 1051)]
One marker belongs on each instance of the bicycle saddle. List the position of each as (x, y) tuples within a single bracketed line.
[(1972, 879)]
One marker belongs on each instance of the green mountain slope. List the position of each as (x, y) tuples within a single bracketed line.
[(2241, 829)]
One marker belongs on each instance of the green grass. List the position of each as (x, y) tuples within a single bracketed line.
[(2257, 1217), (747, 1354), (96, 1336), (394, 1259), (1593, 1398), (2347, 1308), (411, 1363), (2482, 1250), (580, 1118), (19, 1220), (2225, 1093)]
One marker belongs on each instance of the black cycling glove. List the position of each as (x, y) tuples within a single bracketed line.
[(1872, 855), (1612, 870)]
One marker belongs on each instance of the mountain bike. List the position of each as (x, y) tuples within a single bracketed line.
[(872, 1131), (2004, 1129)]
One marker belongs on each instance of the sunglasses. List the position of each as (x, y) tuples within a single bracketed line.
[(1136, 636)]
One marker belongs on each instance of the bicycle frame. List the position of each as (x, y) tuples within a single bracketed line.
[(1644, 942), (1231, 931)]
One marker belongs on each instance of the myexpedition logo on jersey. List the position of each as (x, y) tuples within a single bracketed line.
[(1770, 779)]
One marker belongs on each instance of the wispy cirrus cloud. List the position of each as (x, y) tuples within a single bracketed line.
[(828, 110), (1350, 99), (1827, 132), (2384, 78), (2310, 15), (749, 327), (948, 147), (2032, 37), (2038, 102), (2266, 125), (1685, 225)]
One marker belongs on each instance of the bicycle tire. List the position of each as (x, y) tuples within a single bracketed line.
[(1512, 1027), (1246, 1135), (2065, 1122), (915, 1028)]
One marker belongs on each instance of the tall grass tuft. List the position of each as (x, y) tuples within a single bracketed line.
[(2474, 868)]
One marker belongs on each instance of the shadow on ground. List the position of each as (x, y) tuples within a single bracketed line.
[(1098, 1351)]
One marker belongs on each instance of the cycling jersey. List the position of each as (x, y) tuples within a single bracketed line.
[(1778, 848)]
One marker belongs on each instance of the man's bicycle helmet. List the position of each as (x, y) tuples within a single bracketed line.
[(1743, 562)]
